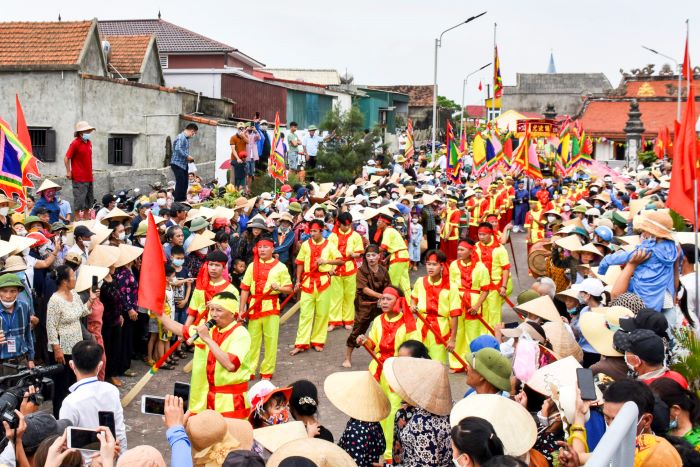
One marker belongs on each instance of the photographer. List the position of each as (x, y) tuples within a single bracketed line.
[(16, 344)]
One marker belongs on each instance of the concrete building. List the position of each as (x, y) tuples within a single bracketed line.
[(533, 92), (60, 73)]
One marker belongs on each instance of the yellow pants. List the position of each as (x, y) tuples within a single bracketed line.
[(388, 423), (436, 350), (491, 309), (343, 290), (467, 331), (265, 329), (313, 319), (398, 274)]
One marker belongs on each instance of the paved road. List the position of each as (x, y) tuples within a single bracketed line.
[(311, 365)]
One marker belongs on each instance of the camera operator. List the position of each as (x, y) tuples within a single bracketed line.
[(16, 344)]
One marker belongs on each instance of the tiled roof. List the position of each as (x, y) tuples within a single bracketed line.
[(475, 111), (128, 53), (170, 37), (49, 45), (323, 77), (419, 95), (559, 83), (608, 118)]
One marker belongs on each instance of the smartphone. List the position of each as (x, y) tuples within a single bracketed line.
[(586, 384), (94, 284), (153, 405), (82, 439), (106, 419), (182, 390)]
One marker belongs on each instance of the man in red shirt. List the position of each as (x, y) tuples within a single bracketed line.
[(78, 162)]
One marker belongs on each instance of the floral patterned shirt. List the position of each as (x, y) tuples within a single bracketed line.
[(426, 440), (128, 290)]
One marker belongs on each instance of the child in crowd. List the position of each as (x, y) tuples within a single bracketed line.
[(237, 272)]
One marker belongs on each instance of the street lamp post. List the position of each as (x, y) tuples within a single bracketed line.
[(438, 44), (680, 72), (464, 87)]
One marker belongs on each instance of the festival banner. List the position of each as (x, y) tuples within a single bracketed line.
[(17, 163), (497, 81), (276, 164), (410, 150), (478, 154), (454, 158)]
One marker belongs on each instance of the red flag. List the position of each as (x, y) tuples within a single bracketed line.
[(152, 282), (480, 86), (685, 155), (687, 71)]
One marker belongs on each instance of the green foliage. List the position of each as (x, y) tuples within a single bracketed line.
[(340, 159), (227, 200), (679, 224), (687, 356), (647, 158), (446, 103), (399, 121)]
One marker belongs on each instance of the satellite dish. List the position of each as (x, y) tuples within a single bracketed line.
[(346, 78), (106, 50)]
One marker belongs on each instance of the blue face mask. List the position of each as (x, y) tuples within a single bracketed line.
[(178, 262), (420, 206), (288, 195), (86, 136)]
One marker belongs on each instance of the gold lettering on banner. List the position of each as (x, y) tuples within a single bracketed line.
[(645, 90)]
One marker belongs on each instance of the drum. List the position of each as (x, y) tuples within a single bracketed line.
[(537, 258)]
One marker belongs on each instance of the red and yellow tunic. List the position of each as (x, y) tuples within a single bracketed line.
[(347, 244), (450, 229), (258, 278), (437, 301), (470, 280), (536, 231), (474, 205), (386, 336), (315, 277), (395, 245), (495, 257), (213, 386)]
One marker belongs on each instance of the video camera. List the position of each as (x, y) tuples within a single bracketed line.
[(13, 387)]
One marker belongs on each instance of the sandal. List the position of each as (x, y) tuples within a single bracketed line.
[(182, 354), (172, 362), (130, 373), (149, 361), (167, 366)]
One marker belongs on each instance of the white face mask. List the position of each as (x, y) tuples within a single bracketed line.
[(7, 304), (4, 210), (551, 219), (204, 250), (86, 244), (567, 208), (21, 231), (161, 201), (122, 236), (142, 241)]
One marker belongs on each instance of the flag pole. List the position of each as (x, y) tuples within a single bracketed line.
[(695, 185), (495, 70)]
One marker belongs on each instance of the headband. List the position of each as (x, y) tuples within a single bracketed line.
[(433, 257), (265, 242), (317, 222), (391, 291), (228, 304), (465, 244), (401, 306), (485, 230), (385, 217)]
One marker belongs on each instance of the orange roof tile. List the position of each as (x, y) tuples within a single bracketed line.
[(42, 44), (608, 118), (127, 53)]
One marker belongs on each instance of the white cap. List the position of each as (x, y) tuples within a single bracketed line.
[(371, 162), (591, 286)]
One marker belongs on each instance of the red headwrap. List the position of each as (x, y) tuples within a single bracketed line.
[(485, 230), (465, 244), (401, 306)]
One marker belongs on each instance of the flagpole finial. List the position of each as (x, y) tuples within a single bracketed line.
[(59, 17)]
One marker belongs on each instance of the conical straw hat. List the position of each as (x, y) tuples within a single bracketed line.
[(6, 248), (99, 237), (274, 436), (610, 275), (19, 243), (595, 330), (563, 343), (588, 248), (512, 423), (198, 242), (570, 243), (48, 184), (556, 374), (115, 214), (423, 381), (543, 307), (85, 275), (358, 395), (614, 313), (320, 452), (127, 254), (104, 256)]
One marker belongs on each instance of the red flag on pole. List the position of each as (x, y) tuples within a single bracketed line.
[(687, 71), (480, 86), (152, 281), (685, 155)]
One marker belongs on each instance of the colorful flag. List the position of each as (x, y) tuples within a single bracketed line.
[(410, 150), (508, 152), (478, 153), (685, 154), (454, 158), (23, 135), (520, 157), (276, 165), (533, 162), (662, 142), (497, 81), (151, 295), (480, 86), (15, 162), (564, 161)]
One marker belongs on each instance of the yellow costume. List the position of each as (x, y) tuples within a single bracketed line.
[(436, 301), (393, 243), (263, 311), (343, 283), (315, 299), (495, 257)]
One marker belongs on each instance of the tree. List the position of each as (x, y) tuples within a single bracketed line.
[(341, 157), (446, 103)]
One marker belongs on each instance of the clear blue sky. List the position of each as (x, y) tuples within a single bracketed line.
[(391, 41)]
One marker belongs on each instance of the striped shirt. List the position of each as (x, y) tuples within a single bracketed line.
[(15, 325), (181, 151)]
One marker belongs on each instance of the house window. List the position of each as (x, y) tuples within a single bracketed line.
[(119, 150), (43, 144), (164, 61)]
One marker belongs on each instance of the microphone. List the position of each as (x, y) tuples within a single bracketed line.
[(209, 324)]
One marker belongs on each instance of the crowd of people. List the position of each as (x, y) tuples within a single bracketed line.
[(614, 292)]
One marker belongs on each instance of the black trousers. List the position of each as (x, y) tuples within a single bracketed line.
[(111, 336), (181, 183), (61, 382)]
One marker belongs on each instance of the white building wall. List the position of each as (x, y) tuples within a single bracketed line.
[(342, 100), (223, 151), (604, 151), (209, 84)]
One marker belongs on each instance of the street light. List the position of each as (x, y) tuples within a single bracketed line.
[(464, 87), (678, 65), (438, 44)]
